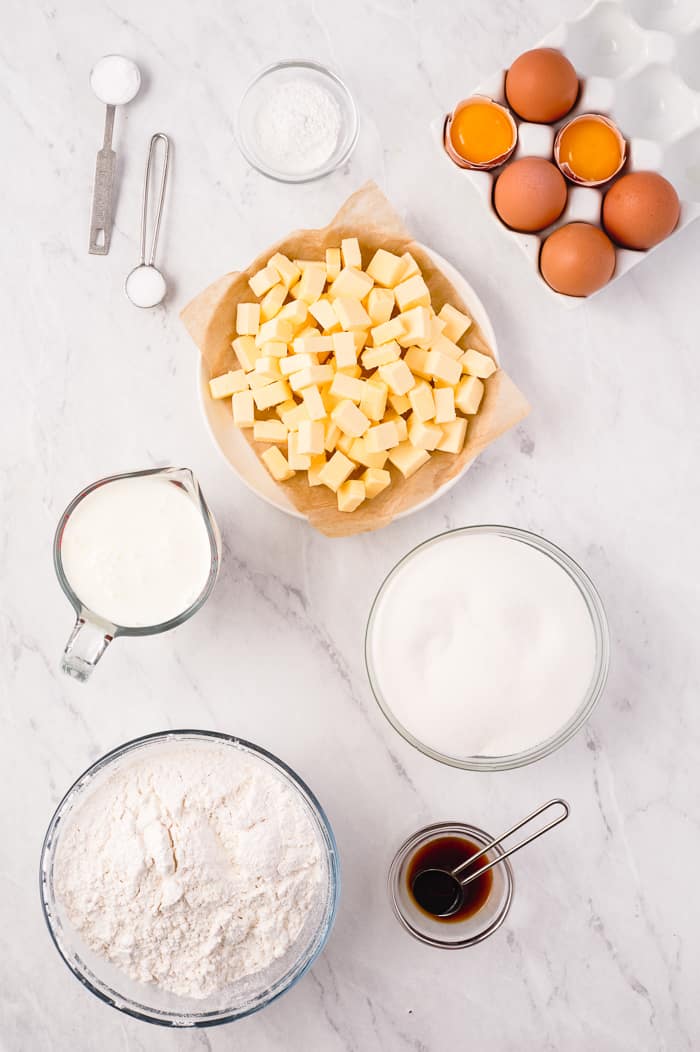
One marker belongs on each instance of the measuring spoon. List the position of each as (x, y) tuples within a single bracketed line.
[(446, 886), (115, 81), (145, 285)]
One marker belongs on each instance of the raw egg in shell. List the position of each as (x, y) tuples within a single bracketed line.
[(480, 133), (590, 149)]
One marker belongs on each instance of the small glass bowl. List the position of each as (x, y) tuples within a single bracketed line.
[(282, 73), (598, 677), (149, 1003), (456, 934)]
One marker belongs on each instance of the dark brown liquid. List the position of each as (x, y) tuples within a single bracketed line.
[(447, 852)]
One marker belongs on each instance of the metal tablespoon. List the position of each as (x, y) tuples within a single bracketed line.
[(447, 886), (145, 285)]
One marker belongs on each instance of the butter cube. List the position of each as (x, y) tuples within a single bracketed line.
[(412, 293), (444, 398), (456, 323), (469, 394), (345, 444), (243, 409), (272, 301), (290, 413), (397, 376), (269, 367), (422, 401), (417, 327), (440, 367), (324, 314), (350, 252), (351, 284), (297, 460), (382, 436), (289, 272), (351, 370), (294, 363), (247, 319), (380, 304), (400, 424), (313, 344), (399, 403), (360, 337), (408, 459), (454, 432), (246, 352), (295, 313), (276, 329), (310, 437), (477, 364), (388, 330), (423, 435), (263, 281), (256, 380), (333, 263), (314, 470), (447, 347), (350, 495), (270, 431), (226, 385), (410, 266), (344, 386), (313, 282), (272, 395), (277, 464), (344, 349), (351, 420), (373, 357), (274, 349), (314, 403), (376, 481), (359, 453), (417, 361), (351, 314), (315, 376), (336, 471), (386, 268), (332, 434), (373, 401)]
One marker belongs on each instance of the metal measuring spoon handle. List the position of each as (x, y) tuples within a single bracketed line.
[(145, 285), (513, 829), (101, 218)]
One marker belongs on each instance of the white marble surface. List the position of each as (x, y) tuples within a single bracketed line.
[(600, 950)]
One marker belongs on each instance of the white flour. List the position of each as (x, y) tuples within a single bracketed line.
[(191, 867), (297, 127)]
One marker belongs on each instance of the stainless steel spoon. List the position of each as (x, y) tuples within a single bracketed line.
[(447, 886)]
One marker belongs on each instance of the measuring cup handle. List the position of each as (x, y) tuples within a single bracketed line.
[(88, 642)]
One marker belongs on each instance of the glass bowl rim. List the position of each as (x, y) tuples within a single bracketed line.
[(190, 1020), (315, 173), (599, 622), (423, 835)]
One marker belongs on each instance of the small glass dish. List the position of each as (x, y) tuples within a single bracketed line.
[(588, 702), (274, 77), (451, 935), (148, 1002)]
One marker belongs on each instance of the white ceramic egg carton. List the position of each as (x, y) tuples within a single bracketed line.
[(639, 63)]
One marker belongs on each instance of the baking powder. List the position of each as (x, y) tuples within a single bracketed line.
[(192, 866), (297, 127)]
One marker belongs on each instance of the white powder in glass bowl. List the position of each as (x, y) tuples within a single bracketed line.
[(297, 126), (190, 868)]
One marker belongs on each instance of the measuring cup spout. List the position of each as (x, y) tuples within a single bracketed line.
[(88, 642)]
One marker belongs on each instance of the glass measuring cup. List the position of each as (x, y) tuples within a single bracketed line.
[(92, 633)]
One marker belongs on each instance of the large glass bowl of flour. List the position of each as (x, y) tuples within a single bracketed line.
[(144, 935), (487, 647)]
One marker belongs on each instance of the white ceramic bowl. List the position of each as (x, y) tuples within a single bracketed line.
[(242, 460)]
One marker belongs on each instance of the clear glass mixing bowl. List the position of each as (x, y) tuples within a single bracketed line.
[(588, 701), (147, 1002)]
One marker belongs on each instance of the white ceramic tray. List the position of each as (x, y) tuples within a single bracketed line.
[(239, 455), (639, 63)]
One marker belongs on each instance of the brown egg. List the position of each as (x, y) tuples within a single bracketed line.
[(530, 194), (541, 85), (577, 259), (640, 209)]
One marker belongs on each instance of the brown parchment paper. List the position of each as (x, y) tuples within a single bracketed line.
[(368, 215)]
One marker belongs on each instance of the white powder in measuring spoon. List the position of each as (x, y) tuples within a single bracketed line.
[(192, 866), (482, 645), (297, 127)]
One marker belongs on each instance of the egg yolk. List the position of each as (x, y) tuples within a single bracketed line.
[(591, 149), (481, 131)]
